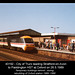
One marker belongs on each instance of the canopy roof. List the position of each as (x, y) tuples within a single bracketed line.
[(24, 32), (62, 34)]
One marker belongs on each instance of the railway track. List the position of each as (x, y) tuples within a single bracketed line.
[(13, 55)]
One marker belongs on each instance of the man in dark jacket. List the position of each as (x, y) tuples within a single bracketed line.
[(57, 45), (73, 46)]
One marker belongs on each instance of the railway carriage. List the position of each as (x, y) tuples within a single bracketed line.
[(3, 42), (25, 43)]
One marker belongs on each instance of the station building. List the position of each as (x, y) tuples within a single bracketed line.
[(64, 38)]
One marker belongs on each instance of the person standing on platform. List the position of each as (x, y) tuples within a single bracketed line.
[(57, 45), (46, 44), (67, 47), (50, 45), (39, 44), (73, 46)]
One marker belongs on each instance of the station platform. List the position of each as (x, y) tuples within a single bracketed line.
[(62, 54)]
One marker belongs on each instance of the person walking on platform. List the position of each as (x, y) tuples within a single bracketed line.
[(50, 45), (73, 46), (57, 45)]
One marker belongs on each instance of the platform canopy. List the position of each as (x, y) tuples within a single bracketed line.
[(58, 34), (25, 32)]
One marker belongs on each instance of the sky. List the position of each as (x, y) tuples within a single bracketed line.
[(37, 16)]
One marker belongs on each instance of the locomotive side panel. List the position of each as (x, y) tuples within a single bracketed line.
[(3, 42), (25, 43), (17, 42)]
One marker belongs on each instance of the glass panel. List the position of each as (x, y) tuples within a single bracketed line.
[(17, 40), (28, 40)]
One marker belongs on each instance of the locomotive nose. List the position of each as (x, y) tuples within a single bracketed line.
[(29, 47)]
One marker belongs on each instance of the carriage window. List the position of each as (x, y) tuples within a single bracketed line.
[(5, 40), (17, 40), (28, 40), (1, 40), (20, 40), (13, 40)]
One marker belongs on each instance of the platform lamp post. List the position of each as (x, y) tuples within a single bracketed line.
[(54, 30), (54, 33)]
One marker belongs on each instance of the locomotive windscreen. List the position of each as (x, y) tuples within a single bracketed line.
[(28, 40)]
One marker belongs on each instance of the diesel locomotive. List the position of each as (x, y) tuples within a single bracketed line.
[(22, 43)]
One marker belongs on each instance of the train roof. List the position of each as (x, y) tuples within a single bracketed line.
[(25, 37)]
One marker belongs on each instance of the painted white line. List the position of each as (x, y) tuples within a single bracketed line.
[(59, 51)]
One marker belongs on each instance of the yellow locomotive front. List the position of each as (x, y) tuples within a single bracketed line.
[(29, 44)]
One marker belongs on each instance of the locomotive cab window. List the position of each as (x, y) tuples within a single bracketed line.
[(28, 40)]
